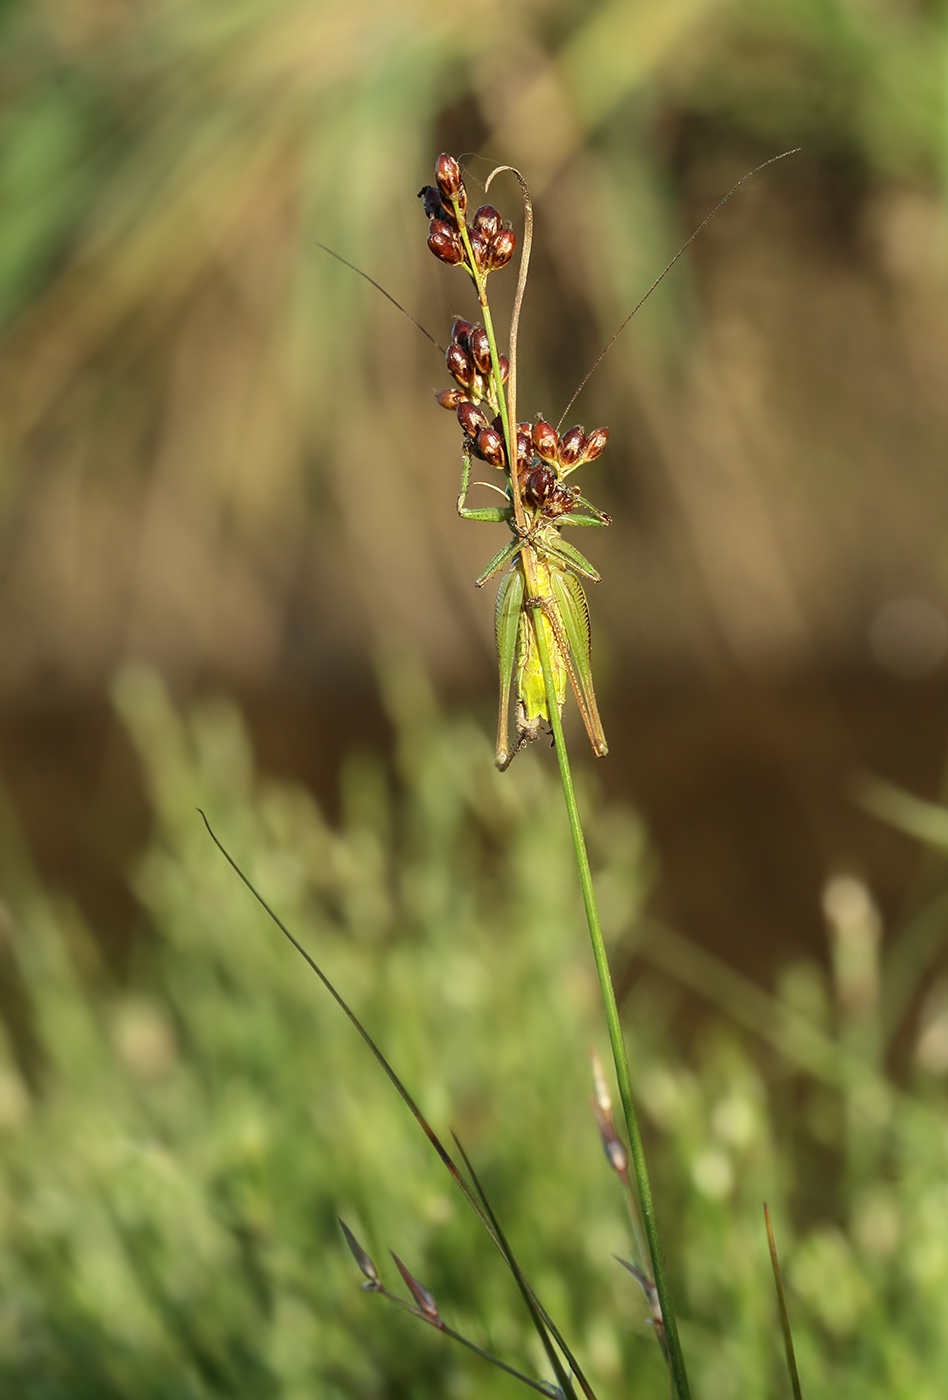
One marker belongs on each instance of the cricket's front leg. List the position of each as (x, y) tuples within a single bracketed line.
[(494, 515)]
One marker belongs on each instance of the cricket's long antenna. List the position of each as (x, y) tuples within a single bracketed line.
[(664, 273), (379, 288)]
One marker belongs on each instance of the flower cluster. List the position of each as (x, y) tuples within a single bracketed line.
[(485, 244), (544, 459), (468, 361), (574, 449)]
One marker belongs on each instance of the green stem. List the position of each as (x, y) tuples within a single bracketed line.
[(615, 1030), (510, 429), (582, 861)]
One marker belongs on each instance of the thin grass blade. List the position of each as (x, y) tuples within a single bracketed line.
[(784, 1316), (478, 1201), (400, 1088), (541, 1319)]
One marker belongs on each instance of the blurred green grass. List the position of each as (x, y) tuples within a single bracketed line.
[(175, 1150)]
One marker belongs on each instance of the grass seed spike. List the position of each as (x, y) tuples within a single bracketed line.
[(543, 585)]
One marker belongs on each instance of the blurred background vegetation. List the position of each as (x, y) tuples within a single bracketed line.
[(221, 459)]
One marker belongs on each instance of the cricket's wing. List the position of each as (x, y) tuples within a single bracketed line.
[(573, 621), (507, 629)]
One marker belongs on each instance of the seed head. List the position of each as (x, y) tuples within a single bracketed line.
[(460, 364), (480, 248), (613, 1146), (490, 446), (450, 184), (501, 250), (539, 483), (362, 1259), (479, 346), (545, 441), (524, 444), (487, 222), (425, 1300), (595, 444), (471, 418), (444, 242), (571, 447), (616, 1154)]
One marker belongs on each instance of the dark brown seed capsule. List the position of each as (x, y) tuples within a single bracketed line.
[(451, 186), (460, 332), (471, 418), (524, 445), (433, 206), (448, 176), (487, 221), (539, 482), (545, 440), (595, 444), (460, 365), (503, 364), (501, 250), (480, 248), (479, 346), (450, 398), (561, 500), (571, 447), (490, 445), (444, 242)]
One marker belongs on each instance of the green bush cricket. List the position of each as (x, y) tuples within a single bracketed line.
[(554, 600), (542, 588), (541, 594)]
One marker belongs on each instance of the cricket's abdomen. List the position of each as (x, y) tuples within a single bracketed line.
[(531, 690)]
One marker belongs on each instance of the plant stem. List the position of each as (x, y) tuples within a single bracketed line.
[(619, 1056), (508, 419), (784, 1315)]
